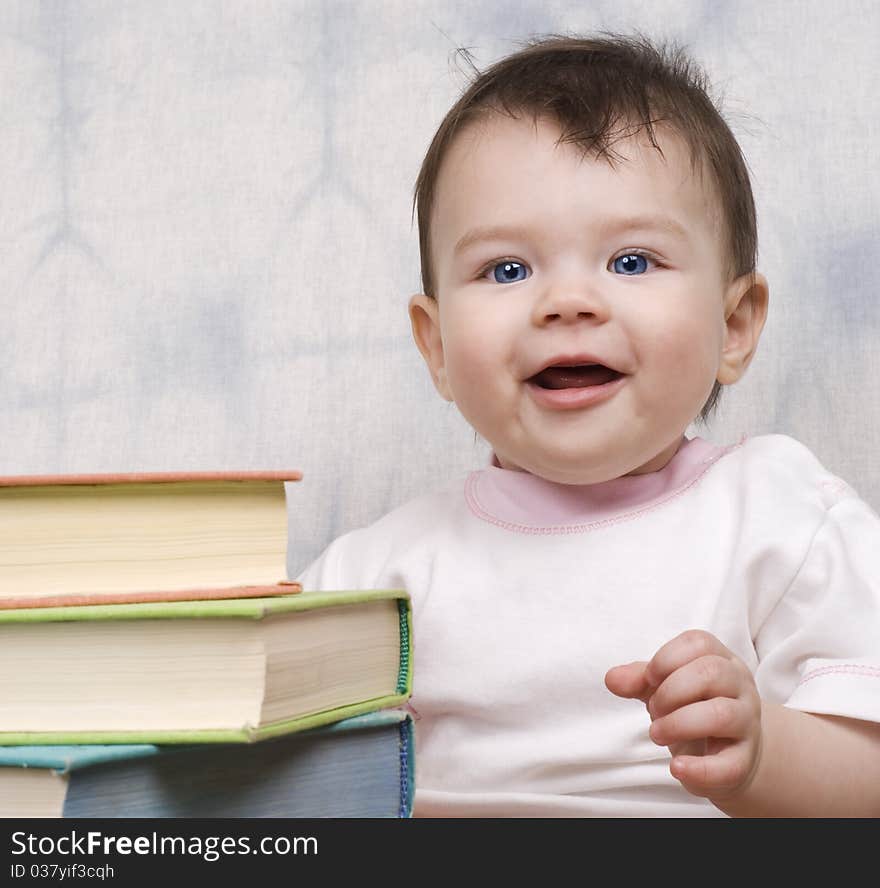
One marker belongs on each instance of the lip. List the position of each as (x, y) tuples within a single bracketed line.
[(575, 398), (574, 360)]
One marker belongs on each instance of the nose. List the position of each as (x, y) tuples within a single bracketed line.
[(569, 300)]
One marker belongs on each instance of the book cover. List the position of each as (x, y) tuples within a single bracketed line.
[(358, 767), (208, 671), (73, 539), (77, 599)]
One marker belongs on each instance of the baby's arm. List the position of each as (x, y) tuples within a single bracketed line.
[(748, 757)]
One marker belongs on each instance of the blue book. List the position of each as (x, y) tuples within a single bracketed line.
[(359, 767)]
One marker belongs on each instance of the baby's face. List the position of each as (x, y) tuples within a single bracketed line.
[(580, 316)]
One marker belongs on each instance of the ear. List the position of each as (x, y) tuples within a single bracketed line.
[(424, 315), (745, 310)]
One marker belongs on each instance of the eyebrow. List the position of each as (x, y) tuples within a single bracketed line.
[(607, 227)]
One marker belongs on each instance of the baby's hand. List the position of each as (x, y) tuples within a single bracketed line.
[(704, 706)]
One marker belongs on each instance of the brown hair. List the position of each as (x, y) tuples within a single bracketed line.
[(599, 90)]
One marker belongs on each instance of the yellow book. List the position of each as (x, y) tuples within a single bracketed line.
[(83, 539)]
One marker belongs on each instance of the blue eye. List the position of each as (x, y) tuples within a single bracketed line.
[(509, 272), (630, 264)]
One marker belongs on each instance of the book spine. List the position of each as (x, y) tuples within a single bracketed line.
[(404, 675), (407, 767)]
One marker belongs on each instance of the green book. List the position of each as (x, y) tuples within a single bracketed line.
[(359, 767), (213, 671)]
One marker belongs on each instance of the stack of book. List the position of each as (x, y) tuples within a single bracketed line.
[(153, 664)]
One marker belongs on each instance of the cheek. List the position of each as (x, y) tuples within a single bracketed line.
[(473, 383), (462, 353), (686, 349), (475, 352)]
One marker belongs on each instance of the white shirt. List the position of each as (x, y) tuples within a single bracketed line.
[(525, 592)]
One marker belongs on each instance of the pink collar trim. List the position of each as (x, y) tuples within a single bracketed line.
[(526, 503)]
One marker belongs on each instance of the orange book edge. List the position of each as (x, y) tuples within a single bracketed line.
[(146, 477), (75, 599)]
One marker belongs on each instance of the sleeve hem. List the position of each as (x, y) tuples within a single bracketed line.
[(848, 690)]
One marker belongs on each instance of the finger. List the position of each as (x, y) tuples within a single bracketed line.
[(690, 645), (701, 679), (718, 717), (629, 681), (713, 775)]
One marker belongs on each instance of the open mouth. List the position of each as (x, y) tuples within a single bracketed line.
[(576, 376)]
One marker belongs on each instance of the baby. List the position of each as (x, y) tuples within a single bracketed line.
[(588, 246)]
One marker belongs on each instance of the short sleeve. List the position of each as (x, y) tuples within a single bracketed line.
[(819, 648)]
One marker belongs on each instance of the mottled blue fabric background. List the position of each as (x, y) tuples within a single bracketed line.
[(206, 245)]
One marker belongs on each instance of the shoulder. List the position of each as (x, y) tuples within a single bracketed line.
[(376, 554), (777, 494), (779, 466), (782, 452)]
